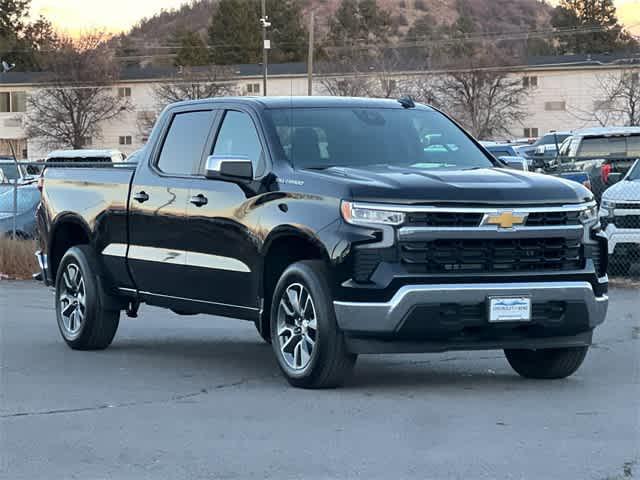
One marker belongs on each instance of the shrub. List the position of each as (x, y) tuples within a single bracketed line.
[(17, 258)]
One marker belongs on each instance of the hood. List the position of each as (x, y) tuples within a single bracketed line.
[(390, 184), (623, 191)]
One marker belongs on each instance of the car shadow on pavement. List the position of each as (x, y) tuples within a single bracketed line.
[(253, 359)]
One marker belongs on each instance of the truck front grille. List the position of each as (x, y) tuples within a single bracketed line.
[(627, 221), (473, 219), (492, 255)]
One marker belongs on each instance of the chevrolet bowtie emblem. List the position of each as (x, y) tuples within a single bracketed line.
[(505, 219)]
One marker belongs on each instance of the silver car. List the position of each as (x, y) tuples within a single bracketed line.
[(28, 200)]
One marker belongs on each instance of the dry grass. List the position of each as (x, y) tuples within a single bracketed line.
[(16, 259)]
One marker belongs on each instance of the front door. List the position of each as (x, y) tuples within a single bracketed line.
[(223, 240), (158, 206)]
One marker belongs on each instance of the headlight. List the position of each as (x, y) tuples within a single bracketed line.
[(360, 215), (608, 205), (589, 215)]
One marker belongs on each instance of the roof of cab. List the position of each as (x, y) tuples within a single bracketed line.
[(84, 153), (607, 131), (309, 102)]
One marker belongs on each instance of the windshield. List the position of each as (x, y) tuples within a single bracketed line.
[(634, 174), (28, 198), (10, 171), (359, 137), (550, 139)]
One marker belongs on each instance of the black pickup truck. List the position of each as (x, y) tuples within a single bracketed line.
[(340, 227)]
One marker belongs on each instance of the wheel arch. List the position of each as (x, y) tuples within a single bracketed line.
[(67, 231), (282, 248)]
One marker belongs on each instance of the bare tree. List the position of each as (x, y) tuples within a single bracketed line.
[(190, 83), (486, 102), (352, 85), (78, 95), (194, 83), (620, 98)]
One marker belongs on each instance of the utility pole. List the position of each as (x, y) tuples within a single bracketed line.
[(310, 58), (266, 45)]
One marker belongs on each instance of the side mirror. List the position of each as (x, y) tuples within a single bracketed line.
[(229, 166), (515, 163), (614, 177)]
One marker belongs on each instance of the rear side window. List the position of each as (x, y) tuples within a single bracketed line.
[(604, 147), (184, 144)]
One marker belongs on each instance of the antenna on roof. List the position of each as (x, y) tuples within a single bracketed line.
[(406, 101)]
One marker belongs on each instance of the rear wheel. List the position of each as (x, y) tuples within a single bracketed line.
[(307, 342), (83, 320), (547, 363)]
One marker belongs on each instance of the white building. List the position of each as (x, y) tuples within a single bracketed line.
[(562, 93)]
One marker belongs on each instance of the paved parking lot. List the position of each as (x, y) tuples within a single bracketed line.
[(201, 397)]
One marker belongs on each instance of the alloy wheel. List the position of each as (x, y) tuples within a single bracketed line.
[(297, 326), (73, 306)]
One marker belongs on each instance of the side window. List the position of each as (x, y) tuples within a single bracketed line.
[(184, 144), (238, 136)]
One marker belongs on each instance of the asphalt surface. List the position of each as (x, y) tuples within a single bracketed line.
[(201, 397)]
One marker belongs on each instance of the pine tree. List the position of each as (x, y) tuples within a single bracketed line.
[(234, 33), (193, 50), (287, 33), (585, 16), (19, 39)]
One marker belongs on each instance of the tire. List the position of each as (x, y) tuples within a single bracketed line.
[(266, 336), (322, 360), (83, 320), (547, 364)]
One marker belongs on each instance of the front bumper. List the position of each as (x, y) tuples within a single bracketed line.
[(620, 236), (415, 312)]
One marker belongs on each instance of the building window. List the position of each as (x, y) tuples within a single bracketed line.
[(124, 92), (13, 102), (530, 82), (126, 140), (602, 105), (531, 132), (86, 141), (253, 88), (555, 106), (5, 102), (18, 101)]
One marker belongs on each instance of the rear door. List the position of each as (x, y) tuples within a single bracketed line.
[(158, 205), (223, 230)]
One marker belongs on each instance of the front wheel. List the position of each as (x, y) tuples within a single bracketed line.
[(308, 344), (83, 319), (547, 363)]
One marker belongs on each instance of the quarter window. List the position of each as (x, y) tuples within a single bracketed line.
[(238, 136), (184, 144)]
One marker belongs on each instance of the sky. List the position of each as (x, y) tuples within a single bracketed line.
[(74, 16)]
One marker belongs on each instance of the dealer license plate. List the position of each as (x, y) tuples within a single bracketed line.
[(509, 309)]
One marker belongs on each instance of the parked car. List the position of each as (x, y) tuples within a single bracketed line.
[(620, 219), (339, 226), (60, 156), (599, 152), (28, 197), (545, 146), (498, 149), (13, 172)]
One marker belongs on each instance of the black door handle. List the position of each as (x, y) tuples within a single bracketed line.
[(141, 197), (199, 200)]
